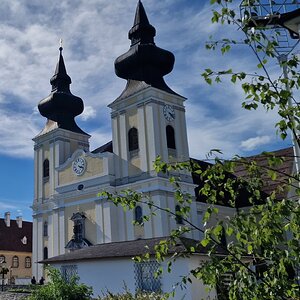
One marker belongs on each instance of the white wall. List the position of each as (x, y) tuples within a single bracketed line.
[(113, 274)]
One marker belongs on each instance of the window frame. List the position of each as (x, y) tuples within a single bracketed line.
[(15, 262), (133, 139), (178, 217), (27, 262), (144, 275), (45, 253), (138, 215), (46, 169), (170, 134)]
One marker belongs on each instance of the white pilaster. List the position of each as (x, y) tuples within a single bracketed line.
[(50, 235), (129, 225), (152, 135), (142, 129), (40, 246), (40, 174), (57, 160), (55, 233), (99, 222), (123, 144), (181, 136), (122, 234), (36, 175), (51, 169), (107, 222), (35, 243), (160, 219), (62, 242)]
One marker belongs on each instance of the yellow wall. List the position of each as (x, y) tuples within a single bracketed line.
[(94, 167), (21, 271)]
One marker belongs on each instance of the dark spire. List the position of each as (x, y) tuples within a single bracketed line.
[(60, 81), (144, 61), (142, 31), (61, 106)]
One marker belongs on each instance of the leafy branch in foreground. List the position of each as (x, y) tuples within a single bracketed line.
[(257, 255), (259, 88)]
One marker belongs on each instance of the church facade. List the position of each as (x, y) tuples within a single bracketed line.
[(148, 120)]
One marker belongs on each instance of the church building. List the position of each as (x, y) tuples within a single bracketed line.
[(82, 233)]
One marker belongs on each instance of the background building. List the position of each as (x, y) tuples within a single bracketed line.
[(16, 249)]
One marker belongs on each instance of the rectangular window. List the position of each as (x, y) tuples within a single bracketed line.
[(27, 262), (68, 271), (45, 233), (145, 279)]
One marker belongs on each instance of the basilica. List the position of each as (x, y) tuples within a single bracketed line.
[(80, 232)]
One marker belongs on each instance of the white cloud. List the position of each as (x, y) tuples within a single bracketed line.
[(99, 138), (16, 208), (88, 113), (95, 33), (16, 133), (255, 142), (6, 207)]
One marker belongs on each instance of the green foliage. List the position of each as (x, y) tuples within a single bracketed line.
[(259, 87), (60, 289)]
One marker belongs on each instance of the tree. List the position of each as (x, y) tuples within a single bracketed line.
[(263, 253)]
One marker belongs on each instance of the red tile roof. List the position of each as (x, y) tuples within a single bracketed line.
[(283, 171), (11, 237)]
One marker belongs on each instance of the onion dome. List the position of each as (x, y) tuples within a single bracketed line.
[(144, 61), (61, 106)]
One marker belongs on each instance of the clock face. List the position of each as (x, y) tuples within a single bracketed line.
[(79, 165), (169, 112)]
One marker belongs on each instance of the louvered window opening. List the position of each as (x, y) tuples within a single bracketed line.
[(68, 272), (145, 279)]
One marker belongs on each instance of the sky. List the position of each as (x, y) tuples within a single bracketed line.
[(95, 33)]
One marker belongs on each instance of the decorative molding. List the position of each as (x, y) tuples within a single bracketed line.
[(81, 152)]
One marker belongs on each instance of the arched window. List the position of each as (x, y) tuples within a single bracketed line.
[(170, 137), (45, 252), (15, 262), (46, 168), (45, 229), (133, 139), (2, 259), (27, 262), (178, 216), (138, 215)]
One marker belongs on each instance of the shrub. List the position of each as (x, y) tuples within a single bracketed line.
[(60, 289)]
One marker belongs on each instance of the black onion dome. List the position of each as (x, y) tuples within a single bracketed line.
[(61, 106), (144, 61)]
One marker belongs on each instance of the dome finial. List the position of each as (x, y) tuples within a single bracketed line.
[(144, 61), (61, 106), (61, 45)]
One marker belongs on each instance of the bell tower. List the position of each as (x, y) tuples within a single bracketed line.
[(148, 118), (59, 139)]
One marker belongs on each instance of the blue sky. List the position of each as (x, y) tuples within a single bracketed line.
[(94, 33)]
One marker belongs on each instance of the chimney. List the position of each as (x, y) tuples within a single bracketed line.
[(7, 219), (19, 221)]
